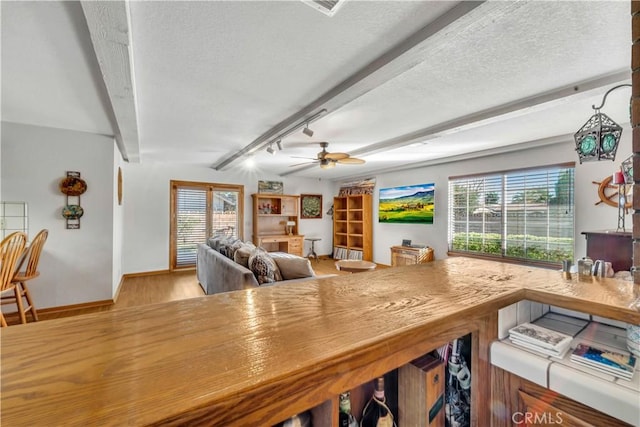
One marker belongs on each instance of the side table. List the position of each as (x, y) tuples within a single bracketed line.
[(312, 251), (407, 255)]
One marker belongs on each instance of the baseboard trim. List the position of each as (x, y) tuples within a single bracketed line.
[(145, 273), (115, 297), (72, 307)]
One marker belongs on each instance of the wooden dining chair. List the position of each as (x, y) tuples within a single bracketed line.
[(21, 291), (11, 248)]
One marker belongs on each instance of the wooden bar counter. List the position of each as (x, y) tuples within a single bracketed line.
[(259, 356)]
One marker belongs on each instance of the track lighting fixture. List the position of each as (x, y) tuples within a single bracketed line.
[(307, 131), (277, 140)]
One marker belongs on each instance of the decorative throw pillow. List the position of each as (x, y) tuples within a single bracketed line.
[(232, 248), (225, 246), (214, 242), (293, 267), (264, 267), (242, 254)]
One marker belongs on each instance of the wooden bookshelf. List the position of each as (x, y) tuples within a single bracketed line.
[(352, 227)]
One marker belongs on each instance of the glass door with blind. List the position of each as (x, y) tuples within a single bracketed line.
[(199, 211)]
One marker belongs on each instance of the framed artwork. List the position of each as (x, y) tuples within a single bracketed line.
[(272, 187), (310, 206), (411, 204)]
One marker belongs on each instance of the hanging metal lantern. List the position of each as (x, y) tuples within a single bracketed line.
[(598, 138)]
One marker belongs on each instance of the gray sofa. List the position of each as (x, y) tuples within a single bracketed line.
[(217, 272)]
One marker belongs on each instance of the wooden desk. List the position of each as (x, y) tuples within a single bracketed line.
[(227, 359), (281, 243)]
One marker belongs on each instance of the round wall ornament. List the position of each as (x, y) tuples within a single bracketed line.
[(72, 186), (72, 212), (119, 186)]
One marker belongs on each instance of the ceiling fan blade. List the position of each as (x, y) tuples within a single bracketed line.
[(301, 164), (299, 157), (351, 161), (336, 156)]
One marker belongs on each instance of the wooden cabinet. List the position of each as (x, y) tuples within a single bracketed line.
[(526, 403), (271, 214), (537, 412), (613, 246), (406, 255), (352, 227)]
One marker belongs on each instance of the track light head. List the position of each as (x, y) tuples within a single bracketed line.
[(270, 149), (307, 131), (279, 144)]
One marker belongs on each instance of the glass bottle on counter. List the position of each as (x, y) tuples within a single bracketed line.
[(376, 413), (345, 417)]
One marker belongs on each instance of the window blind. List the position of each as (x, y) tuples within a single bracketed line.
[(191, 218), (525, 215)]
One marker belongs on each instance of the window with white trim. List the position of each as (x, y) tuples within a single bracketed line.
[(522, 215)]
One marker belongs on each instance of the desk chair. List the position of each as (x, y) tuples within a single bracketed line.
[(21, 277), (11, 248)]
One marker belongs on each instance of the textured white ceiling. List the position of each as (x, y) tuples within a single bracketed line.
[(50, 76), (213, 76)]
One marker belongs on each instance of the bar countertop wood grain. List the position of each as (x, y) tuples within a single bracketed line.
[(255, 357)]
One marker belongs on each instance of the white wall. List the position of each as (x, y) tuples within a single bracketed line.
[(76, 265), (588, 216), (146, 208)]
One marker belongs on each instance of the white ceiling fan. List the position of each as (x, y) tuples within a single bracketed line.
[(328, 160)]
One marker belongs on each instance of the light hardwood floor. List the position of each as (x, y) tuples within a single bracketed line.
[(160, 288)]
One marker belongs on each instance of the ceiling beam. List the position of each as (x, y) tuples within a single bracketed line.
[(493, 115), (110, 29), (387, 66)]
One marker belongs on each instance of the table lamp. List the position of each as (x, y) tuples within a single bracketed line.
[(290, 225)]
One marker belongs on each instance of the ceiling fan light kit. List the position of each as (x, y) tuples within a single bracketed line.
[(327, 164)]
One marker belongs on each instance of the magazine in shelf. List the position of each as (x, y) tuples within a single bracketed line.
[(618, 363), (541, 337), (541, 350)]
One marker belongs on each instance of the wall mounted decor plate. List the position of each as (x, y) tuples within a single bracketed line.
[(72, 212), (72, 186)]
